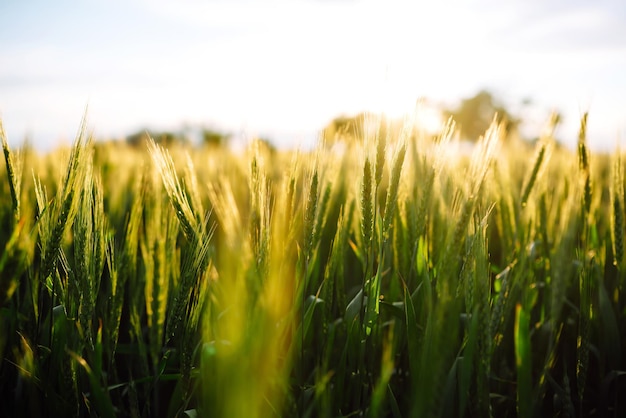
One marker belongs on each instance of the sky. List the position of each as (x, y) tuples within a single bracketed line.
[(284, 69)]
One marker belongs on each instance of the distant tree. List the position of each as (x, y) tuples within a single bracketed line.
[(215, 139), (474, 115), (162, 138), (137, 139)]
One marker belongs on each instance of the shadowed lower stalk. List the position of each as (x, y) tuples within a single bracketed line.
[(586, 279), (617, 200), (523, 362), (436, 355), (482, 310), (123, 268)]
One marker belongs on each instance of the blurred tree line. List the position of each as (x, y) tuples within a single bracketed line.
[(208, 137), (472, 117), (203, 137)]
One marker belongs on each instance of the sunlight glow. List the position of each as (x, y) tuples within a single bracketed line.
[(429, 119)]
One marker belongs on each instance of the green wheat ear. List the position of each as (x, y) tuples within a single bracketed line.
[(583, 163), (15, 164), (56, 217), (176, 192), (391, 201), (310, 212), (541, 160), (367, 211), (89, 230), (381, 147)]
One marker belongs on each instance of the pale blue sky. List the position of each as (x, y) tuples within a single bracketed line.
[(283, 69)]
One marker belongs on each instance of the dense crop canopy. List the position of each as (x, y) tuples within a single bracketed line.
[(395, 277)]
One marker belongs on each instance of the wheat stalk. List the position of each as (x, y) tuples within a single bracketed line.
[(617, 200), (14, 164)]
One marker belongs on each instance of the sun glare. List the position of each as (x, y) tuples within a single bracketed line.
[(425, 115), (429, 119)]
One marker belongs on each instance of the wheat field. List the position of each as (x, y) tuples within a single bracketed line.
[(393, 277)]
